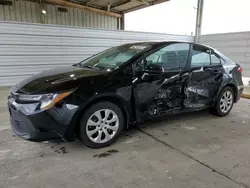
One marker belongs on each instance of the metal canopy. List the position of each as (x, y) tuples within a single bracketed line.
[(118, 6)]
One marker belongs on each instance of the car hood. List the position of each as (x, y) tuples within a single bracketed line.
[(56, 80)]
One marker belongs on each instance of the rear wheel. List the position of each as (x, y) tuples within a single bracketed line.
[(101, 124), (224, 102)]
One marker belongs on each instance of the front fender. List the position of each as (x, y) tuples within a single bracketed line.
[(112, 97), (109, 97)]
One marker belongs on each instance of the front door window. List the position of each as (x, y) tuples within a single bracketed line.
[(172, 57)]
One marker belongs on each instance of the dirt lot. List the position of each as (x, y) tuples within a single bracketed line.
[(190, 150)]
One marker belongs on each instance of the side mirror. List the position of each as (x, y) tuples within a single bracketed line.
[(153, 69)]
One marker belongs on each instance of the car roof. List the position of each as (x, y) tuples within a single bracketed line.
[(165, 42)]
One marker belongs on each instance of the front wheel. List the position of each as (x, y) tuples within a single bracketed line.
[(101, 124), (224, 103)]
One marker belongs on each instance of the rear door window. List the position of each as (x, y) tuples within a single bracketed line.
[(204, 57), (215, 59), (200, 56)]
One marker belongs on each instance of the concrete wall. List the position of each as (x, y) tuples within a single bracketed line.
[(26, 49), (234, 45), (27, 11)]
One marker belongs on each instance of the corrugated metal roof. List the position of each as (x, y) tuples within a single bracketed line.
[(119, 6), (27, 11)]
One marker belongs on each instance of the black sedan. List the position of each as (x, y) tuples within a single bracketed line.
[(101, 96)]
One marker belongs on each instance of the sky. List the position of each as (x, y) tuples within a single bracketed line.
[(179, 17)]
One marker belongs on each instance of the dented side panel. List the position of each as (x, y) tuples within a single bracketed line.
[(164, 94), (202, 86), (160, 95), (191, 89)]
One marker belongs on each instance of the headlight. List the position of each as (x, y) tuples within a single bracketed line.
[(47, 100)]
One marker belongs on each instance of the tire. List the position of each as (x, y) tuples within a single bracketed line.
[(218, 107), (97, 130)]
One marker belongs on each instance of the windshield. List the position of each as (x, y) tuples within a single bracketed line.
[(114, 57)]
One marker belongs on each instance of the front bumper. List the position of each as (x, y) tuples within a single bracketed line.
[(41, 125)]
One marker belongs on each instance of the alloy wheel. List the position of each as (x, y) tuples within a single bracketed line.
[(226, 101), (102, 126)]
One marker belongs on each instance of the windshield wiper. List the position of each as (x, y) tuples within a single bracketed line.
[(88, 66)]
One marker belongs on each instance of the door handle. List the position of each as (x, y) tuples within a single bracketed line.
[(145, 76), (134, 80)]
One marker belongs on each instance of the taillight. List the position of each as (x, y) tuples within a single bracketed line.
[(240, 69)]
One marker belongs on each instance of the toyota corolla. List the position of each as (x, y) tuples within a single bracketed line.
[(101, 96)]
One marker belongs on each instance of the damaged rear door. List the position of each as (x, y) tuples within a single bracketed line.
[(205, 75), (158, 94)]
